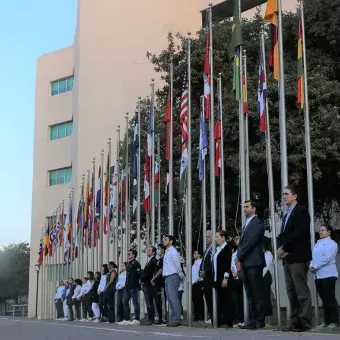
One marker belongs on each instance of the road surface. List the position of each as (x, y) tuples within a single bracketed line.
[(23, 329)]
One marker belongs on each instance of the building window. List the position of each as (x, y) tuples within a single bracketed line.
[(60, 176), (61, 130), (62, 85)]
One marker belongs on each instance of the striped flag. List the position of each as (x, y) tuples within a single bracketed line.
[(300, 75), (236, 42), (207, 77), (271, 16), (135, 174), (184, 129), (167, 120), (262, 96)]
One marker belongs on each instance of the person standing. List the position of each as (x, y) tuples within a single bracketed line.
[(83, 297), (197, 287), (69, 296), (172, 273), (158, 283), (222, 277), (132, 287), (148, 290), (76, 300), (295, 251), (120, 288), (65, 306), (58, 300), (323, 266), (100, 291), (95, 297), (206, 273), (109, 292), (250, 258)]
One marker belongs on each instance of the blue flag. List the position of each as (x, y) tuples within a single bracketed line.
[(203, 146)]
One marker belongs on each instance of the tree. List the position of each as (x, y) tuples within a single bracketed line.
[(14, 264), (323, 52)]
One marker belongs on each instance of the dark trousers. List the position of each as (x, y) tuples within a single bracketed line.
[(109, 300), (59, 308), (253, 284), (133, 295), (120, 304), (298, 294), (207, 290), (197, 300), (102, 305), (86, 306), (237, 300), (180, 296), (149, 295), (76, 304), (224, 312), (326, 290), (267, 289), (158, 301)]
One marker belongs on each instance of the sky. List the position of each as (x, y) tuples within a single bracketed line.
[(28, 29)]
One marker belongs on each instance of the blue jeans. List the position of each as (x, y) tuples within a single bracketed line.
[(171, 288), (133, 294)]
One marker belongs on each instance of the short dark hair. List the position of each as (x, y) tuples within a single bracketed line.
[(99, 274), (113, 264), (292, 189), (78, 282), (134, 252), (252, 203), (91, 275), (171, 238), (330, 230), (222, 233), (199, 251), (153, 249)]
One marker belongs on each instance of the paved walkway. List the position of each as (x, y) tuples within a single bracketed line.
[(23, 329)]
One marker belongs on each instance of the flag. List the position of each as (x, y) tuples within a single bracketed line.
[(236, 42), (135, 170), (41, 251), (167, 121), (217, 134), (207, 77), (106, 196), (148, 159), (54, 234), (203, 148), (115, 182), (300, 75), (80, 219), (184, 130), (98, 204), (271, 16), (156, 180), (46, 238), (68, 234), (51, 238), (261, 96), (90, 211), (244, 89), (86, 203), (61, 226)]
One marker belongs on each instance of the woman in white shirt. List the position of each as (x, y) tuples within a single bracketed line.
[(65, 306), (323, 266), (101, 287), (267, 276), (75, 299), (120, 288), (58, 300)]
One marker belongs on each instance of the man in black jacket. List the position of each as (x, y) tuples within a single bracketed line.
[(132, 286), (250, 257), (295, 252), (148, 290), (206, 272)]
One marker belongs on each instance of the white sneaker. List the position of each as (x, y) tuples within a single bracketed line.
[(323, 325), (82, 320), (208, 321), (240, 324), (333, 325), (123, 323), (134, 322), (65, 318), (96, 320)]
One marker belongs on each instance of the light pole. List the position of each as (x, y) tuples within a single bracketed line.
[(37, 269)]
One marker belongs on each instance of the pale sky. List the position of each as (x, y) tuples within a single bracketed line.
[(28, 29)]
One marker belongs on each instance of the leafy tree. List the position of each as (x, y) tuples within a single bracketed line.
[(14, 264), (323, 52)]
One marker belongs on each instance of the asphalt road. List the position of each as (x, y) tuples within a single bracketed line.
[(23, 329)]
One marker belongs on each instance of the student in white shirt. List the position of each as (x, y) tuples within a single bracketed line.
[(65, 306), (58, 300), (323, 266), (172, 273), (85, 297), (120, 288), (95, 297), (101, 287), (75, 300), (197, 287)]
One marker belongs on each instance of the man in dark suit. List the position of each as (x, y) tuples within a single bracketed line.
[(295, 252), (250, 257), (207, 274)]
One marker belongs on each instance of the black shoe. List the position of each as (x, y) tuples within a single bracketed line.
[(250, 326), (291, 328), (303, 328)]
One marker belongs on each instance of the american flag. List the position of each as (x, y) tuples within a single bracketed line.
[(261, 97), (207, 77)]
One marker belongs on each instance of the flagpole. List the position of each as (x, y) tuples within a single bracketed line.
[(101, 231), (138, 180), (271, 186), (93, 211), (79, 240), (57, 244), (72, 272), (153, 222), (246, 134), (108, 196), (308, 153), (54, 260), (212, 159), (171, 156), (223, 207), (119, 213), (86, 232), (127, 222), (51, 272), (159, 189)]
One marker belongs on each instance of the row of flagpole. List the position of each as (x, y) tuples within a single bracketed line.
[(80, 244)]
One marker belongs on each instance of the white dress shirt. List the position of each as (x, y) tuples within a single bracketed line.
[(324, 258), (233, 265), (102, 283), (269, 263), (172, 262), (85, 288), (195, 271), (60, 292), (218, 250), (121, 281), (289, 211)]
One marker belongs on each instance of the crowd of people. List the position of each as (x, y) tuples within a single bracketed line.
[(245, 261)]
